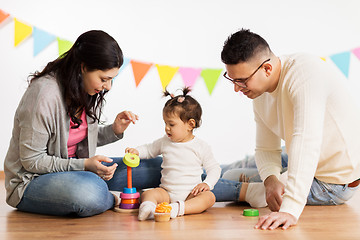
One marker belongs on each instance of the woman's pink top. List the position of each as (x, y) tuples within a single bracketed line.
[(76, 135)]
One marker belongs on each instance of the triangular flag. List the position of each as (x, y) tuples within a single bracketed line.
[(125, 63), (342, 61), (3, 16), (139, 69), (356, 52), (41, 40), (189, 75), (166, 74), (63, 45), (211, 77), (323, 58), (22, 31)]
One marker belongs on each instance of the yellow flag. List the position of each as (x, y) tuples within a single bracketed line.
[(166, 74), (22, 31)]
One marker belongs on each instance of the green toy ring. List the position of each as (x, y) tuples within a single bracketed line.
[(251, 212), (131, 160)]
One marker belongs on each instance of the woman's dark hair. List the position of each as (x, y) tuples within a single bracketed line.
[(184, 106), (95, 50), (242, 46)]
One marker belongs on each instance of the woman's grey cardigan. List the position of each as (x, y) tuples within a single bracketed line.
[(39, 138)]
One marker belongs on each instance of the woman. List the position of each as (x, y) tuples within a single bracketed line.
[(50, 166)]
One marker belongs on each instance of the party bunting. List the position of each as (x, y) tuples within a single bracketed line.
[(166, 74), (356, 52), (3, 16), (342, 61), (41, 40), (22, 31), (139, 69), (63, 45), (189, 75), (211, 77)]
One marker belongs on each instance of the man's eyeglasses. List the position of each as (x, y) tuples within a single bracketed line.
[(241, 82)]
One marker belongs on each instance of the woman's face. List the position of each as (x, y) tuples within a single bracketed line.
[(98, 80)]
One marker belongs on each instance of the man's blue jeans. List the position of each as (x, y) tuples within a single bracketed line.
[(321, 193)]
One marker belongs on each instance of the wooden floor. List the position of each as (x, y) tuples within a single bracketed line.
[(222, 221)]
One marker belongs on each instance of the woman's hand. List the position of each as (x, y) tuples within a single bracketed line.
[(94, 165), (201, 187), (123, 120), (132, 150)]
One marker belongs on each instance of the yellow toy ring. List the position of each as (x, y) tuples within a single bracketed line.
[(131, 160)]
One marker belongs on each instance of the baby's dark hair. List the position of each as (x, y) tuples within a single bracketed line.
[(184, 106)]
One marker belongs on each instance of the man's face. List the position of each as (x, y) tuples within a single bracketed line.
[(251, 78)]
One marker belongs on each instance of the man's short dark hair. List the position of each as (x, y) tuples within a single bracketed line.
[(242, 46)]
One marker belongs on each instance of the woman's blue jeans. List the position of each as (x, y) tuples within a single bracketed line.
[(80, 193)]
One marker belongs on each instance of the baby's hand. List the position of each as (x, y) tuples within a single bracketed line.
[(132, 150), (201, 187)]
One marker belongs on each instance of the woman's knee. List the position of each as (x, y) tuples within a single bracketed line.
[(88, 189), (81, 193)]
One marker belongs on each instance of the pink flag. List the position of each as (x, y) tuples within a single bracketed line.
[(189, 75), (356, 51)]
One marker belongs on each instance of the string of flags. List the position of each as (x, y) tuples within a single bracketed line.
[(190, 75)]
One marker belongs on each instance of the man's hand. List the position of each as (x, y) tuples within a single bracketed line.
[(275, 220), (274, 191)]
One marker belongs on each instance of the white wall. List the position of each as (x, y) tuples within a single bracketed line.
[(187, 33)]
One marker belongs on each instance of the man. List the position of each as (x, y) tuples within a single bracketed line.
[(302, 100)]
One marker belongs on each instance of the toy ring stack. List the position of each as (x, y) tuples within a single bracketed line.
[(129, 196)]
